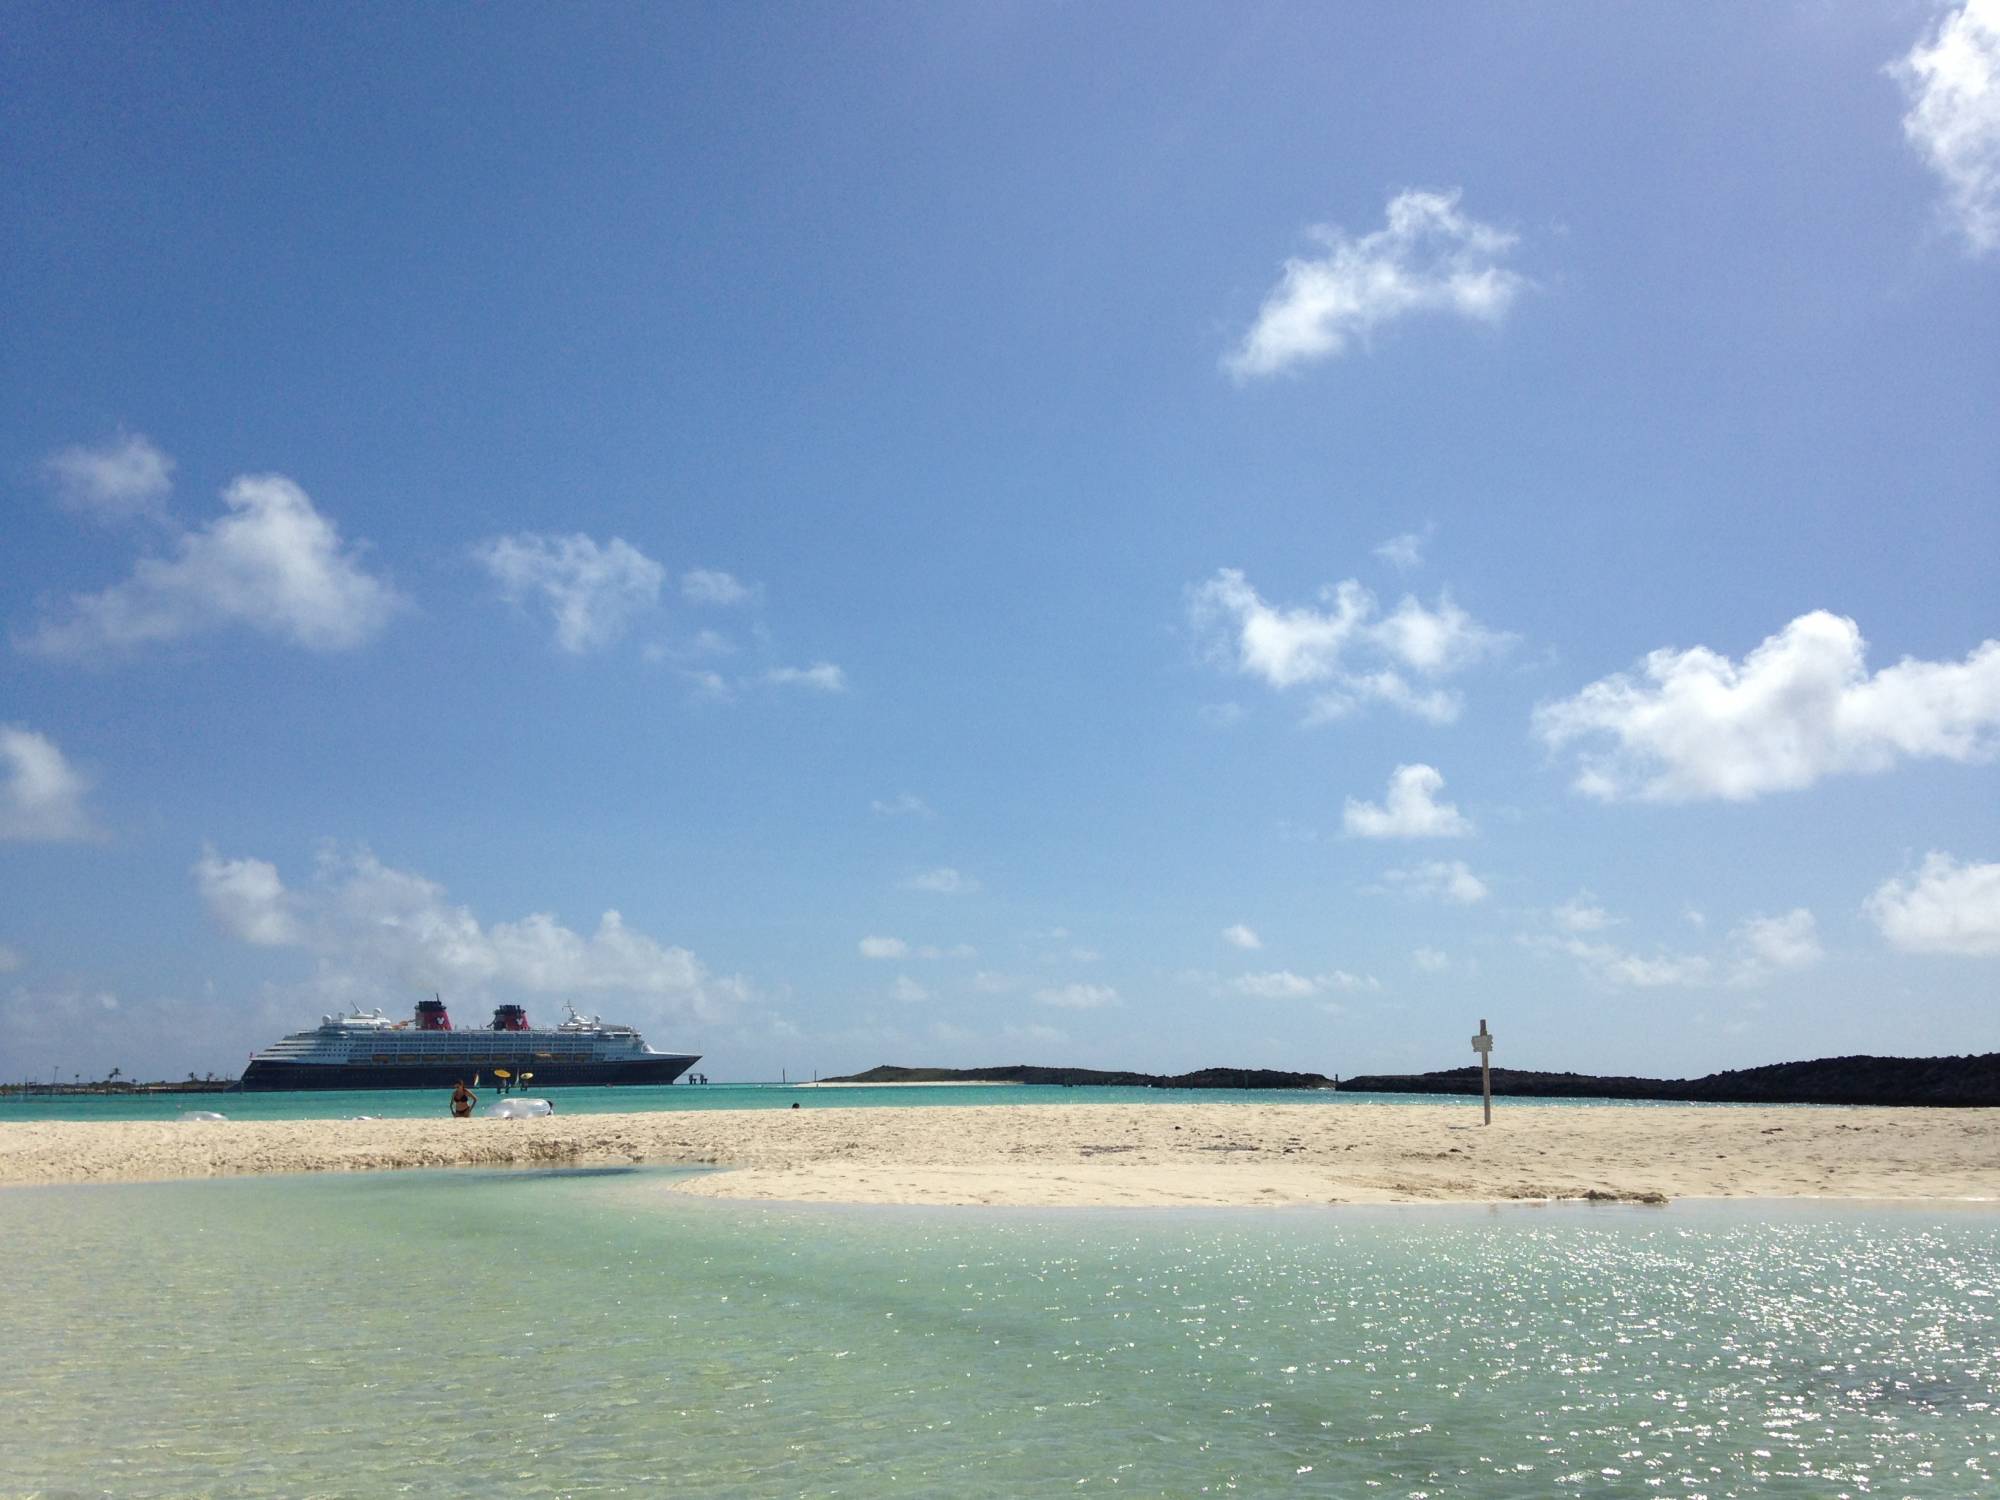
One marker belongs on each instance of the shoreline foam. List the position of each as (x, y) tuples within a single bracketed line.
[(1108, 1154)]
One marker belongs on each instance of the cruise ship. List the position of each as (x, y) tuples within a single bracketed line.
[(367, 1050)]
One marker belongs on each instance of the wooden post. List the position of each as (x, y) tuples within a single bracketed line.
[(1483, 1045)]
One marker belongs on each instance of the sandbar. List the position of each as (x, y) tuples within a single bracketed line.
[(1110, 1154)]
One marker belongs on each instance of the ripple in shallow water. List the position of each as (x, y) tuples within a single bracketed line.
[(585, 1334)]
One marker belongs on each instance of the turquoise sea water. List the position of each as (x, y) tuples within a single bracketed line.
[(408, 1103), (587, 1333)]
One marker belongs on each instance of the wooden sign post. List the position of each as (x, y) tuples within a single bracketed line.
[(1483, 1045)]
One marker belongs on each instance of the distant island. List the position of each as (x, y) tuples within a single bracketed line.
[(1207, 1078), (1972, 1081)]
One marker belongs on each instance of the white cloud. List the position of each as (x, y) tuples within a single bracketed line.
[(1410, 811), (272, 563), (1283, 984), (1758, 948), (711, 586), (41, 793), (1952, 80), (943, 881), (248, 900), (1279, 984), (821, 677), (1078, 996), (709, 686), (988, 982), (1946, 907), (908, 990), (593, 592), (126, 479), (1622, 969), (1429, 257), (1802, 705), (1440, 880), (1406, 552), (1240, 936), (387, 932), (1342, 646), (1581, 913), (883, 947), (908, 805), (1430, 961), (1437, 706), (1776, 944), (1283, 647)]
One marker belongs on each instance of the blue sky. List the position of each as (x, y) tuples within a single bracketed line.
[(1106, 535)]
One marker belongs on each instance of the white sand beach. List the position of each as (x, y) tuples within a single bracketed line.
[(1118, 1154)]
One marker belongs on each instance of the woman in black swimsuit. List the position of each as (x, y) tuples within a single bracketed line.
[(462, 1100)]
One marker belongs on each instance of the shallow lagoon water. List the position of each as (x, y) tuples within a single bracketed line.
[(589, 1333)]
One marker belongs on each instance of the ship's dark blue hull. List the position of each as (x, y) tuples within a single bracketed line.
[(263, 1076)]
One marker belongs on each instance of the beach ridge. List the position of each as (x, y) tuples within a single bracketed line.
[(1107, 1154)]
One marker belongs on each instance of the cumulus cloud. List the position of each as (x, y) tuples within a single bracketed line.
[(1694, 724), (272, 563), (593, 592), (1952, 80), (123, 480), (1343, 647), (710, 687), (1623, 969), (1428, 258), (1430, 961), (1405, 552), (41, 793), (1283, 984), (908, 805), (1581, 913), (1279, 984), (1769, 945), (1439, 880), (942, 881), (248, 900), (1759, 948), (1409, 811), (1240, 936), (712, 586), (1078, 996), (388, 932), (908, 990), (1947, 906), (820, 677), (883, 947)]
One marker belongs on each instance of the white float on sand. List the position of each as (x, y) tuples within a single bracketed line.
[(518, 1109)]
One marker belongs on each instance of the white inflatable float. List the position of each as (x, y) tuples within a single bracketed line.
[(518, 1109), (200, 1116)]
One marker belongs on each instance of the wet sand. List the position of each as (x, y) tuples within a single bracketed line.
[(1115, 1154)]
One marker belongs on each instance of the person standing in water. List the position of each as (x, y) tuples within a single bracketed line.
[(462, 1100)]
